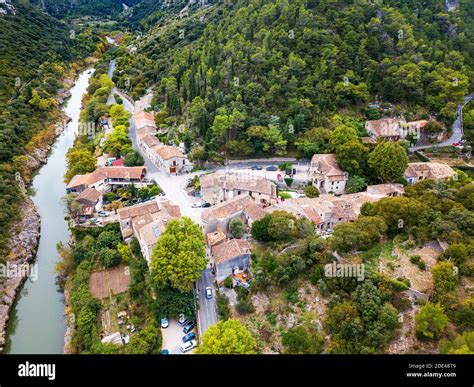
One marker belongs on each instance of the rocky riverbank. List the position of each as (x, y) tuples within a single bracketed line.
[(25, 233)]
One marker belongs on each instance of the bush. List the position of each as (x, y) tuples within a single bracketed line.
[(223, 309), (109, 239), (260, 229), (430, 322), (311, 191), (228, 282), (416, 259), (244, 307), (109, 257), (300, 340), (133, 159), (237, 228), (285, 195)]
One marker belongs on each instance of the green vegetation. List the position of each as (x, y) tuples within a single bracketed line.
[(179, 255), (236, 228), (461, 345), (311, 191), (227, 338), (37, 54), (223, 308), (302, 340), (363, 325), (430, 322), (86, 256), (266, 76)]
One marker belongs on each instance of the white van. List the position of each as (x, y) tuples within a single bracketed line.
[(187, 346)]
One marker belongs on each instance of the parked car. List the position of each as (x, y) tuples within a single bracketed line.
[(182, 319), (102, 214), (95, 221), (196, 205), (256, 167), (208, 292), (205, 205), (188, 327), (272, 168), (164, 323), (189, 337), (165, 352), (187, 346)]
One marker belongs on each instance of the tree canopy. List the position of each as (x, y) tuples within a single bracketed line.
[(227, 338), (179, 256)]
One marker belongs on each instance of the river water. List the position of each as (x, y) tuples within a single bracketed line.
[(37, 323)]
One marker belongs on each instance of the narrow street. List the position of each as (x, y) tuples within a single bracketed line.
[(207, 307)]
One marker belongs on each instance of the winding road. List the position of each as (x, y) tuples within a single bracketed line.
[(457, 132)]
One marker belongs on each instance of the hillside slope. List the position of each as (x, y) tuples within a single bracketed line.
[(231, 66)]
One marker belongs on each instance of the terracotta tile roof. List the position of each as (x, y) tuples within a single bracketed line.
[(148, 211), (326, 164), (138, 210), (143, 118), (167, 152), (151, 232), (89, 195), (144, 102), (385, 127), (214, 238), (150, 140), (254, 212), (145, 131), (386, 189), (431, 170), (136, 173), (228, 208), (312, 215), (228, 250), (331, 208), (418, 125), (238, 181)]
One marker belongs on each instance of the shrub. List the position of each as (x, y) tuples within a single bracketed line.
[(228, 282), (109, 257), (430, 322), (237, 228), (223, 309), (311, 191), (244, 307)]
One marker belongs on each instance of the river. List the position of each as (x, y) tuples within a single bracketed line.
[(37, 322)]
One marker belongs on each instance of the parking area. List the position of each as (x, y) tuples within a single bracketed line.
[(173, 338)]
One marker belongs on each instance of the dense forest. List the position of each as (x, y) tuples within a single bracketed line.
[(36, 51), (104, 9), (291, 65)]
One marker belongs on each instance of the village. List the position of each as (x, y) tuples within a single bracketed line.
[(220, 200)]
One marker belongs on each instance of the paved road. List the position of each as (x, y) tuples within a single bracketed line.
[(207, 313), (457, 131)]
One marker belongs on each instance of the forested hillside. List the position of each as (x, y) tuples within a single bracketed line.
[(104, 9), (35, 50), (294, 64)]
